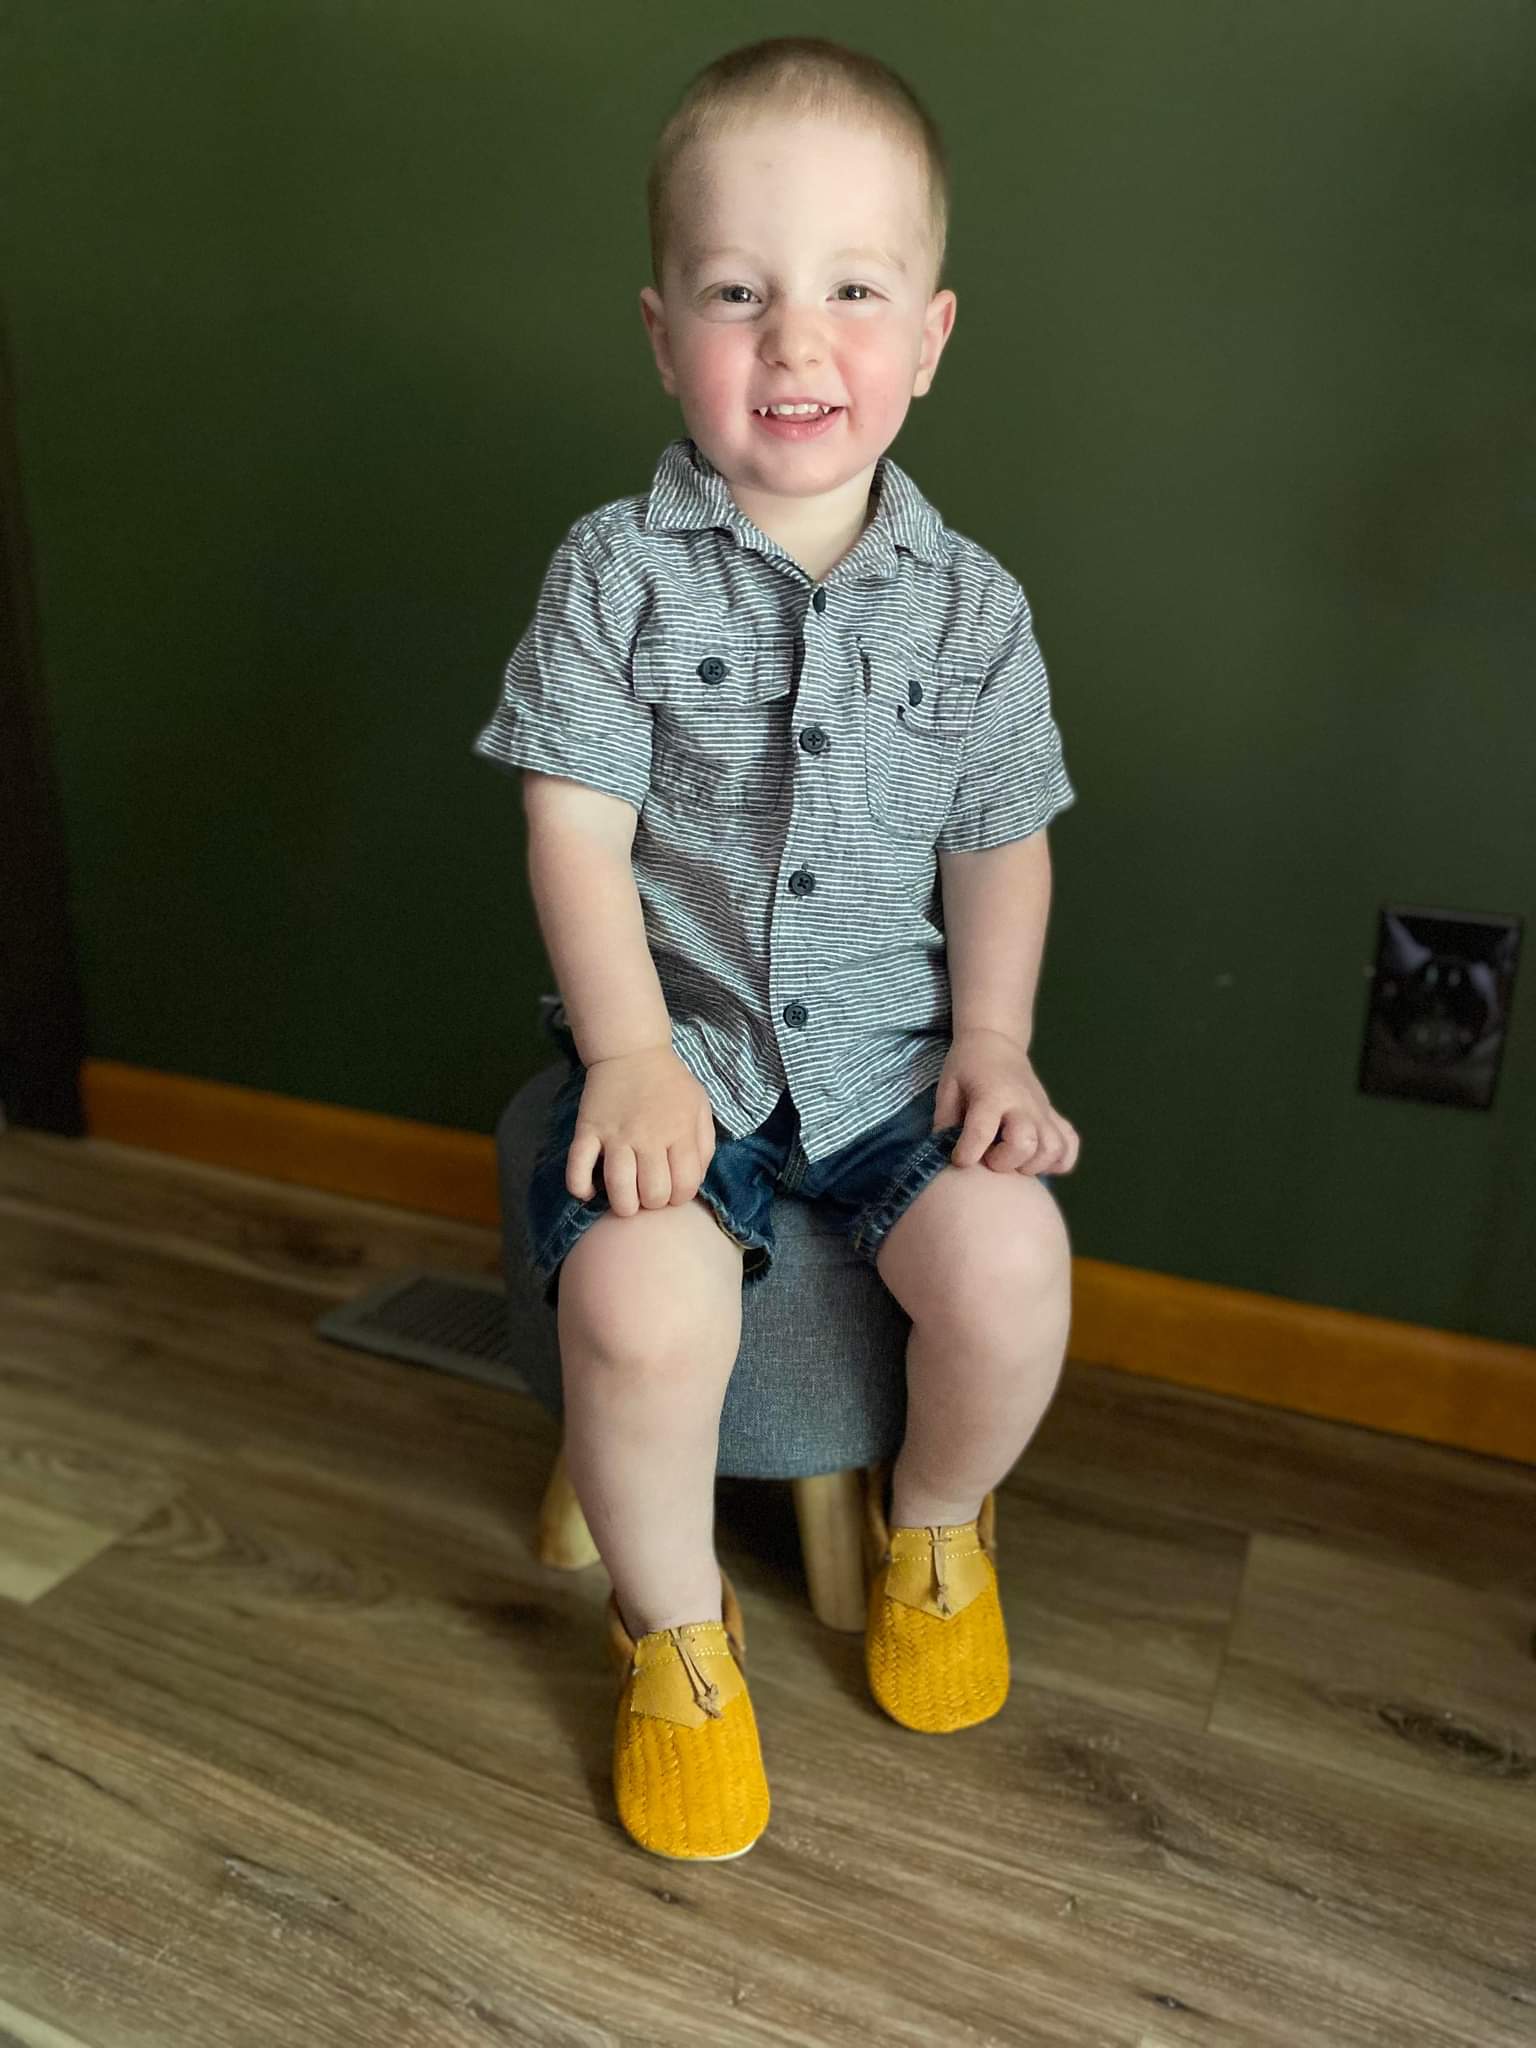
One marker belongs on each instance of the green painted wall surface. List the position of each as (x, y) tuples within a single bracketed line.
[(325, 321)]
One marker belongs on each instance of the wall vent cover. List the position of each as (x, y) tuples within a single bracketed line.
[(455, 1322)]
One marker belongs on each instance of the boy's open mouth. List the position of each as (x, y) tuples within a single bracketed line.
[(800, 420)]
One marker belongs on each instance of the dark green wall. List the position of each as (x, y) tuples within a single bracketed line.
[(325, 323)]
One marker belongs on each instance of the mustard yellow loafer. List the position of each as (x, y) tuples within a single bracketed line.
[(935, 1647), (688, 1773)]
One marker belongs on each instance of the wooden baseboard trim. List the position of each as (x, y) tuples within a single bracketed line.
[(417, 1166), (1474, 1393), (1446, 1387)]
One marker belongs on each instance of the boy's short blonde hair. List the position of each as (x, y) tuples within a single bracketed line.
[(797, 75)]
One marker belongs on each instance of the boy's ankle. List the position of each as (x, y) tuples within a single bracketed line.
[(652, 1619), (907, 1513)]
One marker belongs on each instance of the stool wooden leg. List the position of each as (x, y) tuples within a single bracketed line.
[(829, 1508), (564, 1540)]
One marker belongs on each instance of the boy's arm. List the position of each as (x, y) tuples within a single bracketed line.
[(583, 886), (567, 719), (995, 908)]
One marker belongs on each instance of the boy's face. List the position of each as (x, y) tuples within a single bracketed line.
[(799, 267)]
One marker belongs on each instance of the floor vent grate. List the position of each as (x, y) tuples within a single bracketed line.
[(455, 1322)]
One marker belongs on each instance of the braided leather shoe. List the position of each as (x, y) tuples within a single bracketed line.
[(688, 1773), (935, 1648)]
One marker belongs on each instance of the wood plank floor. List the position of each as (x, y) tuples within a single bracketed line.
[(298, 1744)]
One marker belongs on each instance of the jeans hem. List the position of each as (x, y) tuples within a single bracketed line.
[(547, 1258), (930, 1159)]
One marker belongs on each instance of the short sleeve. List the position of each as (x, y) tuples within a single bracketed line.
[(1013, 779), (567, 706)]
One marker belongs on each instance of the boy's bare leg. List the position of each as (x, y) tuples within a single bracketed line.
[(649, 1313), (983, 1360)]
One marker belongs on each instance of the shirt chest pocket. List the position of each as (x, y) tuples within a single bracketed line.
[(721, 706), (916, 716)]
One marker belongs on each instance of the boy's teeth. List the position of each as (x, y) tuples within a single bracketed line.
[(791, 412)]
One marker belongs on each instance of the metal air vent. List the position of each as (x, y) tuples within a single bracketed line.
[(455, 1322)]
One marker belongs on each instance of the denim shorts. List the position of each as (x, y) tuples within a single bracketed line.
[(867, 1184)]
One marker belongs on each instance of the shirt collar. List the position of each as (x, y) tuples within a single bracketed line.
[(688, 493)]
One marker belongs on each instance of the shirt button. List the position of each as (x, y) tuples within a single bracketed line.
[(814, 740), (795, 1013), (914, 693), (802, 882), (820, 600), (713, 669)]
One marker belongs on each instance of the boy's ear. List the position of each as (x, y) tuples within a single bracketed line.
[(938, 323), (653, 313)]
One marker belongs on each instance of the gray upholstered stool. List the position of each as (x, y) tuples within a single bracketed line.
[(818, 1394)]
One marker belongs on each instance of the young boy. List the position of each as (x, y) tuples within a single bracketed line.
[(788, 758)]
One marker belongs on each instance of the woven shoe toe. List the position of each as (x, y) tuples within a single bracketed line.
[(935, 1644), (688, 1773)]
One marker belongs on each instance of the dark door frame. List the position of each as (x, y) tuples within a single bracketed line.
[(42, 1012)]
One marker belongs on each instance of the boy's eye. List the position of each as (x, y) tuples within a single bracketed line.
[(728, 289)]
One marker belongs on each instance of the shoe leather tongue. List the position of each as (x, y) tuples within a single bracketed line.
[(665, 1689), (911, 1579)]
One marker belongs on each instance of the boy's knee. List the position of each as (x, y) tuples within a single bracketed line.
[(655, 1288)]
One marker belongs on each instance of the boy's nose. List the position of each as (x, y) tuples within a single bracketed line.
[(790, 341), (792, 327)]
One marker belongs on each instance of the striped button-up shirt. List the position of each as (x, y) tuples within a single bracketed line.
[(798, 754)]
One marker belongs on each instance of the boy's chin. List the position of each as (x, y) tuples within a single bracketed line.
[(753, 451)]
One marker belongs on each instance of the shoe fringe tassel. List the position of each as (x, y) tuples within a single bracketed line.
[(706, 1693)]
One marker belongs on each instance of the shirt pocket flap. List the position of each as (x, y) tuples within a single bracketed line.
[(908, 689), (693, 665)]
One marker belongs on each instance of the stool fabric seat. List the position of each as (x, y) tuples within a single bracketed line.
[(819, 1384)]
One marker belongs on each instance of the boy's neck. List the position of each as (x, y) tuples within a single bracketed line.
[(817, 532)]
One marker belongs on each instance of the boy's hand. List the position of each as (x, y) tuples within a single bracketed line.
[(988, 1081), (652, 1125)]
